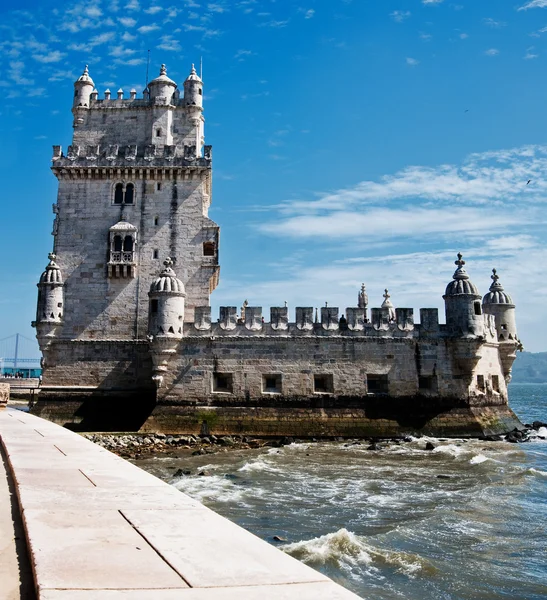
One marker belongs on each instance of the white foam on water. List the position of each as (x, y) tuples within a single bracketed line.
[(258, 465), (215, 488), (537, 472), (349, 552), (450, 449), (478, 459)]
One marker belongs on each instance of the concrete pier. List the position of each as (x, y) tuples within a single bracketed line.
[(99, 527)]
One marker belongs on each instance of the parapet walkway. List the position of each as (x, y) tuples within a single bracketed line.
[(98, 527)]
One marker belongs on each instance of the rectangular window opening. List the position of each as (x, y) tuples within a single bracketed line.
[(480, 382), (156, 254), (153, 306), (223, 383), (377, 384), (271, 384), (427, 384), (156, 221), (158, 186), (323, 384), (478, 310), (496, 383)]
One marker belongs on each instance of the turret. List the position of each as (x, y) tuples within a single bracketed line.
[(162, 88), (83, 87), (463, 304), (498, 303), (193, 90), (50, 294), (165, 319)]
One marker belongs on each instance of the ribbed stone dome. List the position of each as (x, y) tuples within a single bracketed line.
[(497, 294), (461, 284), (85, 78), (162, 78), (52, 274), (193, 75), (168, 280)]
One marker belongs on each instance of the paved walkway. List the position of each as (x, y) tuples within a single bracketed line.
[(15, 573), (99, 527)]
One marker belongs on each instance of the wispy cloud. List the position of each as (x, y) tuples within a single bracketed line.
[(534, 4), (148, 28), (476, 197), (399, 15), (492, 52), (412, 62), (493, 24), (127, 21), (50, 57)]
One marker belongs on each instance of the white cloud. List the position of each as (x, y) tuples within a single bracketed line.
[(412, 62), (119, 51), (464, 36), (491, 52), (399, 15), (127, 21), (494, 24), (169, 44), (534, 4), (50, 57), (127, 37), (309, 13), (133, 5), (432, 1), (153, 10), (240, 54), (148, 28)]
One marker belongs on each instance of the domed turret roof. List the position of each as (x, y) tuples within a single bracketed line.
[(167, 281), (123, 226), (162, 78), (461, 283), (85, 78), (52, 274), (497, 294), (193, 75)]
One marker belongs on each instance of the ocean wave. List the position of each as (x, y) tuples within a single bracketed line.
[(450, 449), (537, 472), (258, 465), (345, 550), (215, 488), (478, 459)]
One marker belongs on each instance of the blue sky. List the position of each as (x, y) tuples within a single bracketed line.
[(354, 141)]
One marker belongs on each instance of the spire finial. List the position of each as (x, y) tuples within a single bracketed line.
[(193, 70), (86, 70), (386, 294), (494, 275), (52, 256), (459, 262), (168, 262), (163, 70)]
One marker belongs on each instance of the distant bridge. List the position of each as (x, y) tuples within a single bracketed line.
[(18, 352)]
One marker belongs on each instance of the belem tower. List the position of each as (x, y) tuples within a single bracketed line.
[(124, 320)]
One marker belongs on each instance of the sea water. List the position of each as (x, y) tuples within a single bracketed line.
[(466, 520)]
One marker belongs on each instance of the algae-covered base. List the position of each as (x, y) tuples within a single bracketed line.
[(353, 417)]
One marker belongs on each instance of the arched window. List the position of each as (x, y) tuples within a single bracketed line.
[(118, 194), (124, 193), (129, 189), (117, 243), (128, 244)]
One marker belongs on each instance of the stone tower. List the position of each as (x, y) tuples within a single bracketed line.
[(134, 188)]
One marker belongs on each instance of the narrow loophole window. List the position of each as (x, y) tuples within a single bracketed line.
[(156, 221), (158, 186), (156, 254)]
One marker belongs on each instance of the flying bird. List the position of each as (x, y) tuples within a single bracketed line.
[(529, 180)]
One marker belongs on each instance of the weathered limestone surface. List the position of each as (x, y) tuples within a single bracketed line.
[(4, 393), (99, 527)]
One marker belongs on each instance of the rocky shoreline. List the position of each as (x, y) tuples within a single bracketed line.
[(137, 445)]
